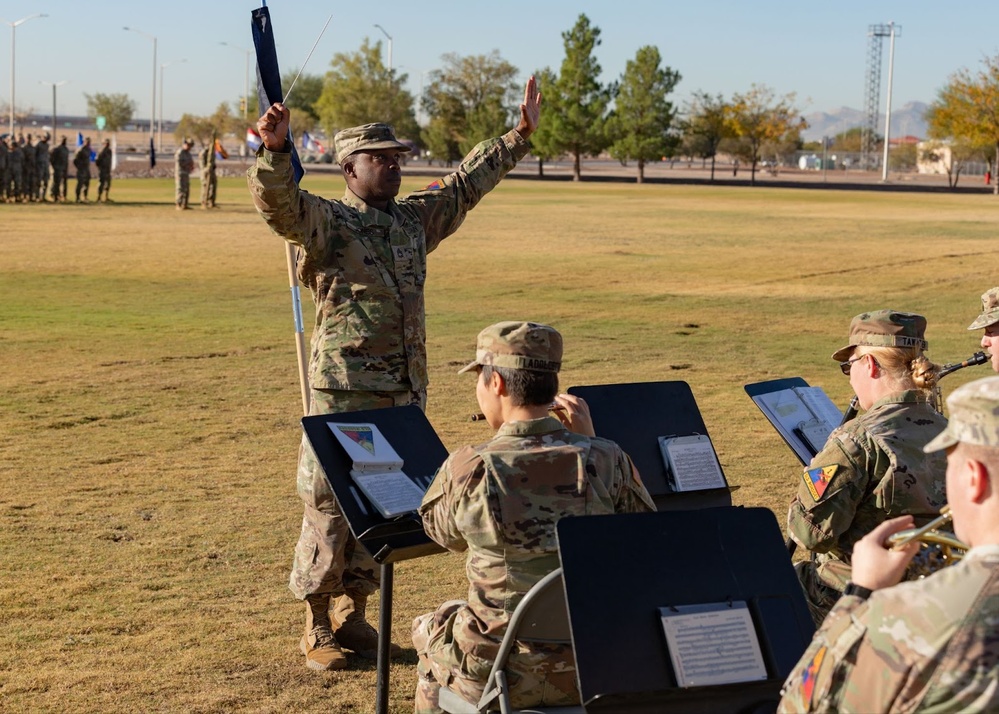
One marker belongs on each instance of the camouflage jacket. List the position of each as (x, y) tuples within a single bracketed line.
[(183, 162), (81, 160), (42, 156), (871, 469), (207, 157), (928, 645), (367, 268), (59, 158), (500, 501), (104, 161)]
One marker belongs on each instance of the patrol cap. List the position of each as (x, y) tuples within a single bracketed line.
[(990, 310), (974, 416), (884, 328), (367, 136), (518, 345)]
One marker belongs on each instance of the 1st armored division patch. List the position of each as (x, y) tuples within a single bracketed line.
[(817, 480)]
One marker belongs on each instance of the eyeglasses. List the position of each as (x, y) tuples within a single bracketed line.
[(845, 367)]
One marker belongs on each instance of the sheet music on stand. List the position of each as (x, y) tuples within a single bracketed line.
[(691, 463), (804, 416), (377, 469)]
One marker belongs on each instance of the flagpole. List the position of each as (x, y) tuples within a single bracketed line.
[(296, 306)]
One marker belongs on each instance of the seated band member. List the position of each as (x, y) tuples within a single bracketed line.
[(500, 501), (989, 319), (872, 468), (930, 644)]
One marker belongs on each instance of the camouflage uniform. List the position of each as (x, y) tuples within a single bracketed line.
[(209, 182), (987, 321), (81, 161), (42, 167), (366, 269), (104, 160), (870, 469), (928, 645), (500, 501), (15, 171), (183, 166), (59, 159), (3, 169), (29, 185)]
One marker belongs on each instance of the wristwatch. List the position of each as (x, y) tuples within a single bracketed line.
[(857, 590)]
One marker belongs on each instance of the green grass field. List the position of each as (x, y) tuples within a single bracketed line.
[(149, 403)]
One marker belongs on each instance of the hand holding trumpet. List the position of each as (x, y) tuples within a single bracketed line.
[(876, 564)]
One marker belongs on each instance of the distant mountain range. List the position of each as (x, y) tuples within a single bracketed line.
[(906, 120)]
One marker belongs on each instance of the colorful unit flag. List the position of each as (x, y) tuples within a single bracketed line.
[(220, 152), (253, 140), (310, 144)]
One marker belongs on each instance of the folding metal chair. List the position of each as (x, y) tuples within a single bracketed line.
[(540, 617)]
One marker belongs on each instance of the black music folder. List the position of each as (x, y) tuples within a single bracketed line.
[(804, 416), (407, 429), (660, 427), (646, 592)]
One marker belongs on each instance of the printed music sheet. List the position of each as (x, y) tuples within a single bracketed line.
[(712, 643)]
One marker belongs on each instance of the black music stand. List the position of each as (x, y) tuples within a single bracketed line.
[(641, 562), (635, 416), (388, 540)]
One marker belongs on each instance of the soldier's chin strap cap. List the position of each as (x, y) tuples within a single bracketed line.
[(884, 328), (518, 345)]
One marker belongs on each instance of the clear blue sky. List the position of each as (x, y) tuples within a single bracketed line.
[(816, 49)]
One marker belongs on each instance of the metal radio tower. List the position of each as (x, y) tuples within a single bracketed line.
[(872, 91)]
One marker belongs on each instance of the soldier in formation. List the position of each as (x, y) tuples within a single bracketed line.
[(183, 166), (42, 167), (81, 162), (59, 159), (209, 181), (104, 160)]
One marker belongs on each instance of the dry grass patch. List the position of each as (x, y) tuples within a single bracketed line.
[(150, 410)]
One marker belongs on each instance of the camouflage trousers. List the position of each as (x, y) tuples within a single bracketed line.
[(327, 558), (104, 185), (819, 595), (82, 185), (540, 675), (182, 188), (58, 184), (209, 187)]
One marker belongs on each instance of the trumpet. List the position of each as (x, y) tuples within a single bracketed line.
[(940, 548), (975, 359)]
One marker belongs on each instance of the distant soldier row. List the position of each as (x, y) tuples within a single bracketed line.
[(24, 168)]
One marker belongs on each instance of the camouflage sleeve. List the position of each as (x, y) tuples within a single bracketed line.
[(829, 492), (634, 497), (439, 509), (295, 215), (442, 206), (812, 686)]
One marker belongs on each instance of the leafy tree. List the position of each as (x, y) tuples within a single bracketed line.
[(966, 113), (117, 109), (705, 127), (440, 141), (202, 129), (544, 140), (579, 111), (760, 120), (471, 98), (308, 89), (640, 125), (359, 89), (850, 140)]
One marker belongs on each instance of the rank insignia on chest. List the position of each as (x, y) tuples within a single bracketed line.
[(817, 480)]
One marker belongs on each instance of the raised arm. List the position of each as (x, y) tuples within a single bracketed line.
[(530, 110)]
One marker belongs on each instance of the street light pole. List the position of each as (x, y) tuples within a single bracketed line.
[(389, 46), (159, 132), (13, 26), (246, 80), (152, 111), (54, 85), (895, 30)]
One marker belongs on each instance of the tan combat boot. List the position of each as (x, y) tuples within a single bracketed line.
[(353, 631), (318, 644)]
